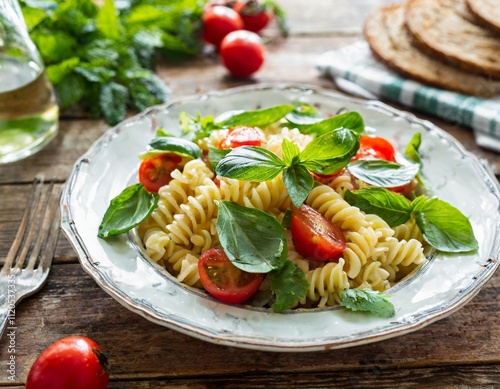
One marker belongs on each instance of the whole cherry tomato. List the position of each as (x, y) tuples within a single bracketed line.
[(75, 362), (316, 237), (256, 15), (242, 53), (240, 136), (218, 21), (225, 281), (155, 172), (375, 147)]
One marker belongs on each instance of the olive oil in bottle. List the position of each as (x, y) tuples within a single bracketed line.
[(28, 110)]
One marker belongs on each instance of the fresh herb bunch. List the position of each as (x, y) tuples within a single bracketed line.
[(102, 58)]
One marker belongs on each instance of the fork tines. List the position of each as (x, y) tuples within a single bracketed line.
[(34, 238)]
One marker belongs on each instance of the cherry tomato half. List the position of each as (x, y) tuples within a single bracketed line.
[(240, 136), (155, 172), (242, 53), (375, 147), (218, 21), (74, 362), (316, 237), (225, 281)]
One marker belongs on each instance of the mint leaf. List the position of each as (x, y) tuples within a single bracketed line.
[(107, 20), (259, 118), (378, 172), (393, 208), (57, 72), (330, 152), (350, 120), (70, 91), (147, 91), (56, 46), (131, 207), (99, 74), (176, 145), (298, 182), (289, 284), (250, 163), (443, 226), (253, 240), (113, 102), (368, 301)]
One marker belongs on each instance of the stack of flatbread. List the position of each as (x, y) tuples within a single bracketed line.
[(449, 44)]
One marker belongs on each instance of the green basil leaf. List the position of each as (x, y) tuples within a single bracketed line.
[(250, 163), (215, 155), (368, 301), (298, 182), (444, 227), (253, 240), (303, 114), (176, 145), (291, 152), (350, 120), (259, 118), (287, 219), (330, 152), (289, 284), (393, 208), (378, 172), (195, 127), (131, 207), (411, 151)]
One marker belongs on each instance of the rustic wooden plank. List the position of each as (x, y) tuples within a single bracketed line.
[(71, 303), (14, 199), (487, 376)]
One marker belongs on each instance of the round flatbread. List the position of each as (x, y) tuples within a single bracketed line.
[(391, 41), (487, 12), (447, 29)]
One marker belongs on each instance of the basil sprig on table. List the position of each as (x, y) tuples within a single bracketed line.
[(134, 204), (324, 155), (255, 242), (443, 226)]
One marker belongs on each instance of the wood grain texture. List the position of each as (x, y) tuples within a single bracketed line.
[(71, 303), (462, 350)]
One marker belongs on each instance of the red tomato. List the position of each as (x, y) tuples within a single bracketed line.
[(155, 172), (218, 21), (74, 362), (242, 53), (316, 237), (376, 147), (256, 22), (240, 136), (225, 281)]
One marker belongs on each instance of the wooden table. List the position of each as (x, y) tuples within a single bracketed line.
[(462, 350)]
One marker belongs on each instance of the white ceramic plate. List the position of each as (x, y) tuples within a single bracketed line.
[(442, 286)]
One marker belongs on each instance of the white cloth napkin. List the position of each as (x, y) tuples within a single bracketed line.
[(357, 71)]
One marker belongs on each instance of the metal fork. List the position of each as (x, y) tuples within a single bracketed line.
[(29, 259)]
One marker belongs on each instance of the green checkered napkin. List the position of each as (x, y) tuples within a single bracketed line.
[(354, 65)]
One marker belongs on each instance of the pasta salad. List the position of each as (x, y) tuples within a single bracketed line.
[(283, 208)]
